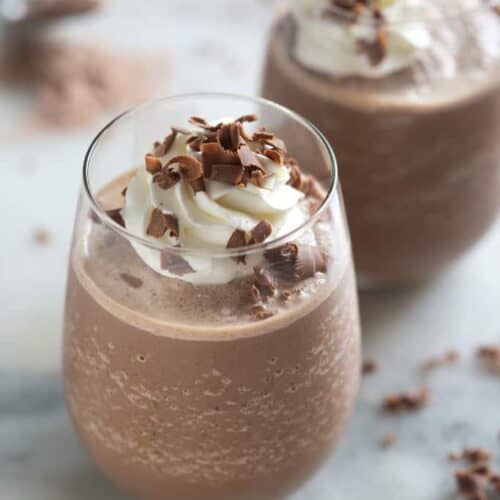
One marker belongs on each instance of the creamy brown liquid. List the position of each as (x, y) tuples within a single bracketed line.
[(178, 394), (419, 153)]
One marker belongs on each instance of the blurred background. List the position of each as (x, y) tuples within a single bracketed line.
[(60, 82)]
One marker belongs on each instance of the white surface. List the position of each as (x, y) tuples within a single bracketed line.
[(40, 458)]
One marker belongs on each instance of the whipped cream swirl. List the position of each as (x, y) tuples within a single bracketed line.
[(207, 219), (329, 46)]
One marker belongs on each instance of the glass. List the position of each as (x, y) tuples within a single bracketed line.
[(176, 391), (416, 132)]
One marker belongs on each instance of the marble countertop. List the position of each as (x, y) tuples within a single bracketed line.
[(40, 457)]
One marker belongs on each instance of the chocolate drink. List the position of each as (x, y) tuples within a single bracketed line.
[(416, 136), (191, 390)]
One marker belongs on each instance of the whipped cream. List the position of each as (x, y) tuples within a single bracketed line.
[(207, 219), (330, 47)]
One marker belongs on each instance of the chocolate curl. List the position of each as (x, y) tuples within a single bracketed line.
[(189, 166), (261, 232), (202, 123), (230, 174), (213, 154), (162, 148)]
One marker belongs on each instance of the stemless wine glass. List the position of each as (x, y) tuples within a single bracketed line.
[(175, 389)]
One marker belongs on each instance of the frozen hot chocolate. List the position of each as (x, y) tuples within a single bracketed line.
[(211, 337), (408, 92)]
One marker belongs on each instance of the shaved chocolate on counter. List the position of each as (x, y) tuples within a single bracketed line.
[(116, 216), (153, 164), (174, 263), (369, 367), (190, 166), (131, 281), (167, 178), (472, 455), (388, 440), (449, 358), (490, 356), (407, 401)]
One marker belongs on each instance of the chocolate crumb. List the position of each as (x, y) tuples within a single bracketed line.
[(131, 281), (42, 236), (407, 401), (285, 295), (124, 191), (174, 263), (449, 358), (469, 484), (388, 440), (369, 367), (116, 216)]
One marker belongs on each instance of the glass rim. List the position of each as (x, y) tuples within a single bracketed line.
[(476, 5), (227, 252)]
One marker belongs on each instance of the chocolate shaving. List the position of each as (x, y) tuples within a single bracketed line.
[(248, 158), (375, 50), (369, 367), (116, 216), (167, 178), (264, 281), (213, 154), (198, 185), (407, 401), (202, 123), (230, 174), (261, 232), (237, 239), (472, 455), (162, 148), (449, 358), (388, 440), (247, 118), (174, 263), (153, 164), (157, 226), (275, 156), (490, 356), (310, 260), (260, 312), (42, 236), (229, 136), (190, 166), (131, 281), (269, 139)]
